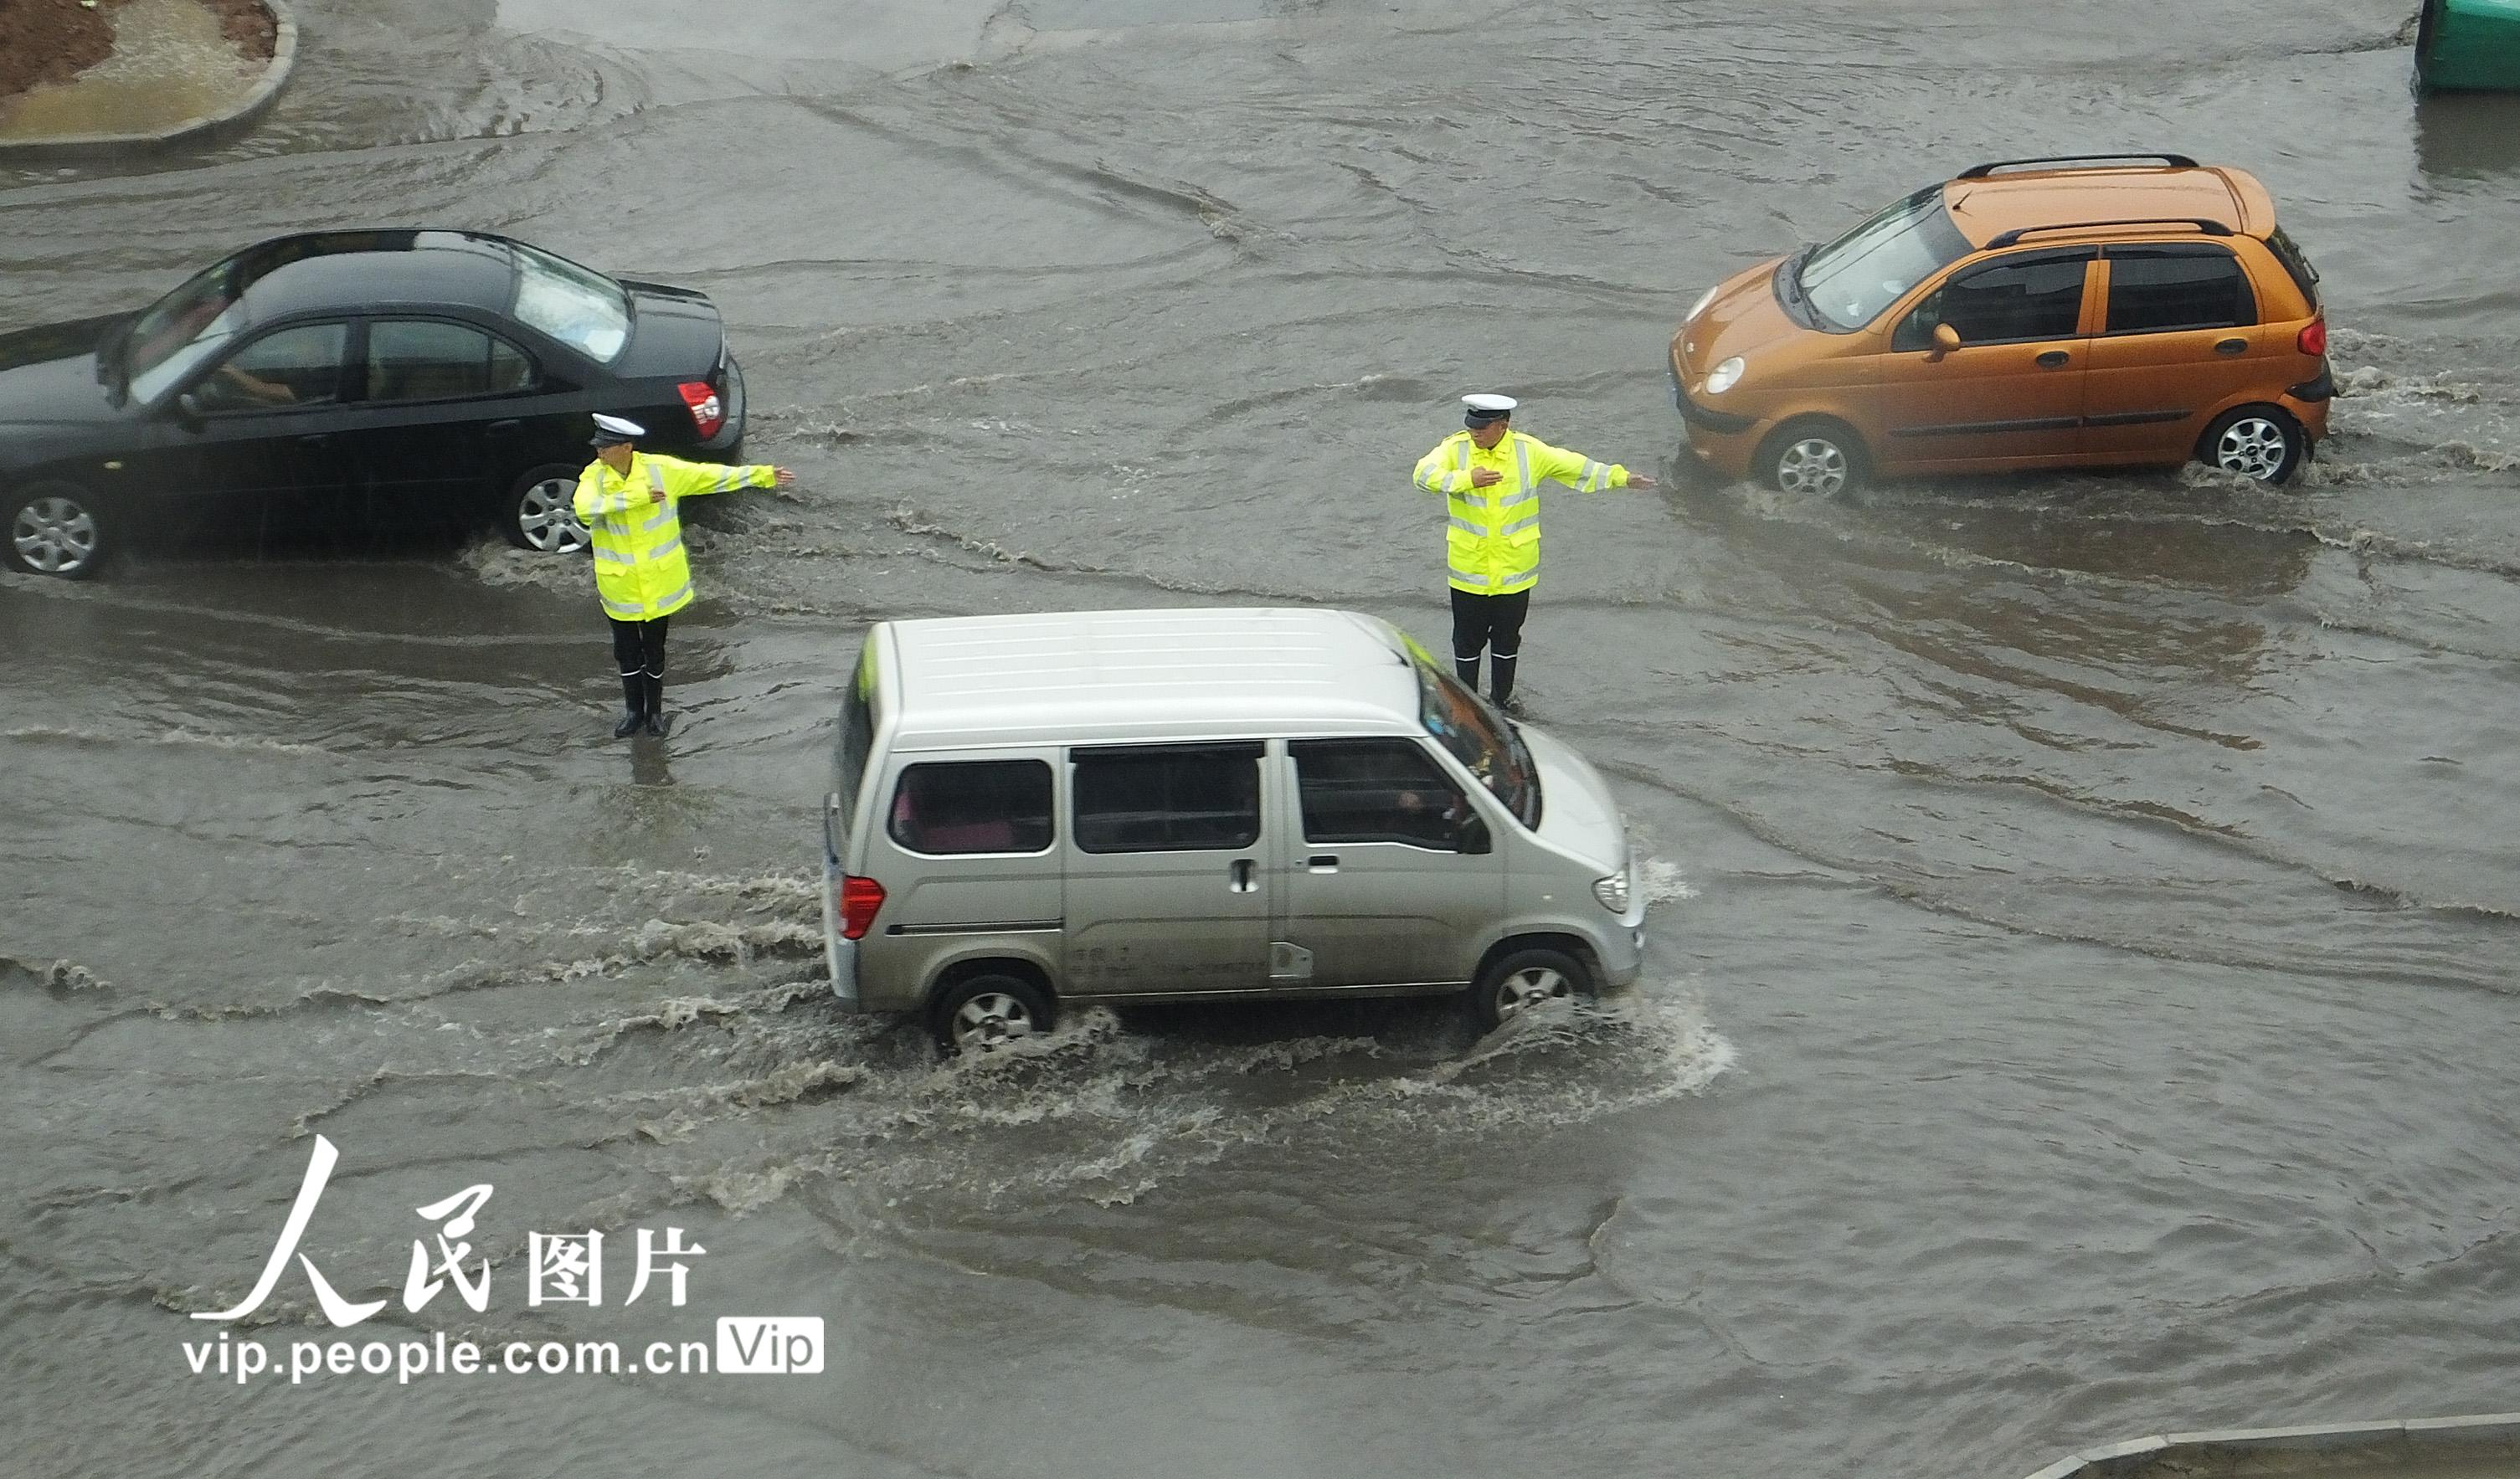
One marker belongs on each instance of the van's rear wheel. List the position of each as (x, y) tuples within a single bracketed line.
[(982, 1013), (2258, 442), (1520, 979), (1818, 459)]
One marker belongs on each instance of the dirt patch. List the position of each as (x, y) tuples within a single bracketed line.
[(55, 40), (51, 41)]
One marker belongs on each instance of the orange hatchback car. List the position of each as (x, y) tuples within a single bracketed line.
[(2083, 311)]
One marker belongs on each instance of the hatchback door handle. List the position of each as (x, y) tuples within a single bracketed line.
[(1324, 862), (2233, 347), (2054, 358), (1241, 877)]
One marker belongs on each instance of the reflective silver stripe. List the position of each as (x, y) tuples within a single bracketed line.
[(1464, 526), (1522, 464), (1470, 577), (614, 555), (625, 609), (663, 516), (1462, 462), (1511, 499), (665, 549), (1521, 582), (1597, 477), (733, 479), (670, 596), (620, 528), (1529, 521)]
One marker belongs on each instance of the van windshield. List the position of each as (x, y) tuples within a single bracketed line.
[(1851, 280), (1478, 736), (856, 743)]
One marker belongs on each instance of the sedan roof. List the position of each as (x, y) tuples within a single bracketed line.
[(347, 270)]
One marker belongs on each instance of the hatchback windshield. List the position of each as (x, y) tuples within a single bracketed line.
[(1851, 280), (1478, 738), (582, 309)]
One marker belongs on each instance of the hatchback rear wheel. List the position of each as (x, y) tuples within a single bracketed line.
[(541, 514), (1816, 459), (2258, 442), (55, 529)]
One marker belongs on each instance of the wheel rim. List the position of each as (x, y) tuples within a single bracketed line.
[(990, 1018), (54, 535), (2254, 447), (1529, 987), (1813, 465), (546, 517)]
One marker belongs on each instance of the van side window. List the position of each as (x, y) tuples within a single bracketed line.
[(2010, 300), (2160, 290), (1167, 797), (1376, 791), (972, 806)]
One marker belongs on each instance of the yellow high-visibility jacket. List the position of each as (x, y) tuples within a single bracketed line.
[(640, 573), (1492, 541)]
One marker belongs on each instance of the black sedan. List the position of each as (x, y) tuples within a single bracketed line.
[(359, 380)]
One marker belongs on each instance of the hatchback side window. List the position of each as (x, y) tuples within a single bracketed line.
[(425, 359), (294, 367), (2161, 290), (975, 806), (1376, 791), (1167, 797), (2010, 301)]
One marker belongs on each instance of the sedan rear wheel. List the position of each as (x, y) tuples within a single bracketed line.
[(541, 516), (56, 531), (2257, 442)]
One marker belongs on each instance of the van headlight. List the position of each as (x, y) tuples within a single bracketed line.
[(1724, 377), (1612, 891), (1698, 307)]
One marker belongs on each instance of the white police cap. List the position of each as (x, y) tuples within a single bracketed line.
[(1497, 403), (610, 430)]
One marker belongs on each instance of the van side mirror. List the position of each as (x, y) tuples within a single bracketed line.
[(1474, 836), (1946, 340)]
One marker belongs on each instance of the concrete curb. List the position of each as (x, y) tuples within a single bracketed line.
[(2113, 1459), (210, 128)]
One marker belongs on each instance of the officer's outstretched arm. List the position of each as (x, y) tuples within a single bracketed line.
[(690, 480)]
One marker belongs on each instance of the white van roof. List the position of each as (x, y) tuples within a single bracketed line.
[(1196, 673)]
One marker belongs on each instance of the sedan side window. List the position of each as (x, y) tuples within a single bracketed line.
[(2010, 301), (1167, 797), (427, 359), (1376, 791), (294, 367), (2161, 290)]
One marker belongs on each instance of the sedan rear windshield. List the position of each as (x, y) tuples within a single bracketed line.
[(1849, 282), (583, 309)]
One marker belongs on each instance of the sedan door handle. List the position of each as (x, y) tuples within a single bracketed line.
[(1242, 876), (506, 428), (316, 439), (1322, 861), (2054, 358), (2233, 347)]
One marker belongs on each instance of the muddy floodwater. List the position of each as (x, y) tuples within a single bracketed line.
[(2080, 999)]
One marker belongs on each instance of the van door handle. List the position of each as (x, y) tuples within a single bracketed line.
[(2233, 347), (1242, 876), (1322, 861), (2054, 358)]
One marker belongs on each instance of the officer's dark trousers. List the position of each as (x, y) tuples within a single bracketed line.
[(1493, 623), (639, 651)]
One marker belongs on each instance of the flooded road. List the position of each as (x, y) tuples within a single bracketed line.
[(2079, 998)]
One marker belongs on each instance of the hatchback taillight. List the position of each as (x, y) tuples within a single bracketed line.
[(708, 413), (2313, 337), (860, 898)]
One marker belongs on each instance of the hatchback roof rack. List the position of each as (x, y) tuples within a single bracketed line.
[(2010, 237), (1981, 172)]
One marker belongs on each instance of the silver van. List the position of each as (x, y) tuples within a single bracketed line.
[(1036, 810)]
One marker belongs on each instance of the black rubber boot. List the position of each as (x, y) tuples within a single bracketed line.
[(1467, 670), (658, 722), (634, 706), (1503, 689)]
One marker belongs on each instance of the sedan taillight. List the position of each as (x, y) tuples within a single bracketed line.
[(859, 899), (708, 413)]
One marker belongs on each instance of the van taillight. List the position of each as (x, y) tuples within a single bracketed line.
[(708, 413), (2313, 337), (860, 898)]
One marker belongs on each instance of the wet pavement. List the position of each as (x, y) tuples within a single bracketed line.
[(2080, 997)]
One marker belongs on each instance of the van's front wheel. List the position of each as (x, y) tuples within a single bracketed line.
[(1520, 979), (983, 1012)]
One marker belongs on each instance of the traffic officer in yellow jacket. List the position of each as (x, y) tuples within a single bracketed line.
[(630, 502), (1490, 478)]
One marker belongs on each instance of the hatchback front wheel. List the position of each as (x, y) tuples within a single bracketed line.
[(1816, 459)]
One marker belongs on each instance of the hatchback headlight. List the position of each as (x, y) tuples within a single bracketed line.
[(1612, 891), (1698, 307), (1724, 377)]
